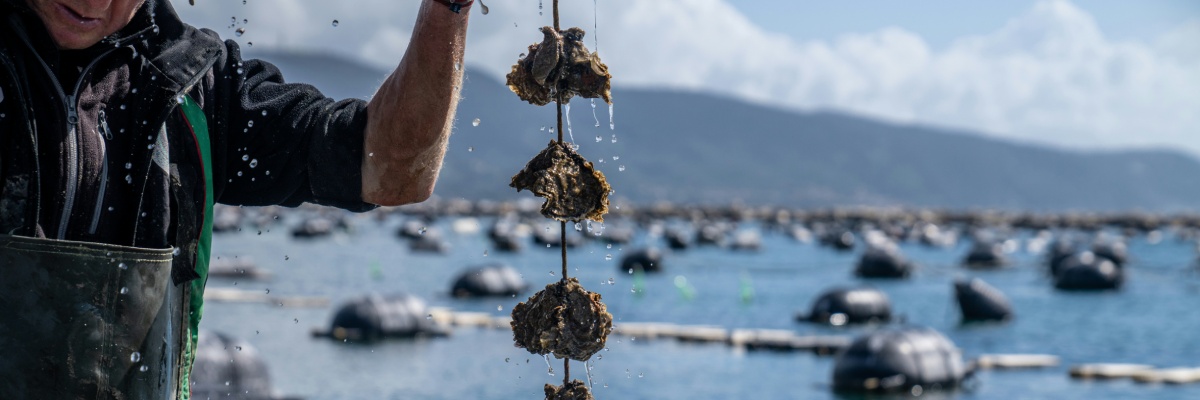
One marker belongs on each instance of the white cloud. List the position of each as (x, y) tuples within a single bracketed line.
[(1048, 75)]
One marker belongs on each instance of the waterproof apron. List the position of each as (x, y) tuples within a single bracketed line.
[(88, 321)]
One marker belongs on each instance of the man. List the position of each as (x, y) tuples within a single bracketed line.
[(120, 126)]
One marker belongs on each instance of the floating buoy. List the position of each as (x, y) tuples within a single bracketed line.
[(374, 317), (898, 359), (883, 262), (488, 281), (981, 302), (228, 368), (840, 306)]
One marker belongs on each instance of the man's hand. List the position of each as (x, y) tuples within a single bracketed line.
[(410, 118)]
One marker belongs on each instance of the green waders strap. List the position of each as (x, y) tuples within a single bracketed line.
[(194, 116)]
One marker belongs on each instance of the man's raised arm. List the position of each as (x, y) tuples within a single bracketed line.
[(410, 118)]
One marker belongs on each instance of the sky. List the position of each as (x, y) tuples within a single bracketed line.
[(1083, 74)]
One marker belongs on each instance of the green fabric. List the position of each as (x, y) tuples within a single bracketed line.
[(195, 118)]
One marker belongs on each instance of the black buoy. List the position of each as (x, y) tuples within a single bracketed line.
[(1058, 254), (228, 368), (374, 317), (488, 281), (1114, 251), (883, 262), (678, 239), (840, 306), (1086, 271), (899, 360), (313, 228), (980, 302), (647, 260), (429, 242), (840, 239), (985, 254)]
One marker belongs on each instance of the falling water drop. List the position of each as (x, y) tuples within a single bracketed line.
[(144, 368), (500, 308), (253, 163), (595, 117), (567, 116), (621, 168), (335, 23), (122, 266), (135, 357), (475, 122), (245, 157), (608, 257), (611, 125), (239, 32), (124, 290), (599, 138)]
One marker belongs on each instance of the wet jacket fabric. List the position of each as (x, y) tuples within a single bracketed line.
[(94, 146)]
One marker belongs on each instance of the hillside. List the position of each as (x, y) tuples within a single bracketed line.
[(702, 149)]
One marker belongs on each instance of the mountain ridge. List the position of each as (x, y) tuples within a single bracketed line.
[(698, 148)]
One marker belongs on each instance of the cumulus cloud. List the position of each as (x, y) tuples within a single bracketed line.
[(1049, 75)]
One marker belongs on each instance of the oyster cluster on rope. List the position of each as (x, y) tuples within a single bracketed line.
[(559, 68), (574, 190), (564, 319), (573, 390)]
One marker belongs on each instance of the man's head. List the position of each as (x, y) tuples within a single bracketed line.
[(79, 24)]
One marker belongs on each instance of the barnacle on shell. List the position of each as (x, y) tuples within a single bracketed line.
[(573, 390), (564, 319), (560, 66), (573, 188)]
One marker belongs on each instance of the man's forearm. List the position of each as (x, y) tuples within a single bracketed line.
[(410, 118)]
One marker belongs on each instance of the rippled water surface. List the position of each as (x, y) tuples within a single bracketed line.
[(1152, 320)]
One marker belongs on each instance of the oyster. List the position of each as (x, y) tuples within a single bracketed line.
[(573, 189), (563, 319), (560, 66), (573, 390)]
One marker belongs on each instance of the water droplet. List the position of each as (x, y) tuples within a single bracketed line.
[(245, 157), (457, 66), (475, 122), (621, 168), (240, 71), (124, 290), (134, 90), (422, 230), (268, 172), (128, 165), (611, 281), (254, 163), (264, 113), (226, 383), (122, 107), (551, 273), (268, 291), (239, 32), (485, 253), (179, 100), (615, 158), (543, 127), (285, 258), (599, 138), (470, 149), (249, 44), (500, 308), (612, 126), (295, 320), (239, 173), (239, 348), (609, 245), (250, 123), (608, 257), (144, 368), (176, 251), (129, 179), (630, 271), (135, 357), (506, 359), (641, 375), (614, 138), (245, 21), (430, 316), (335, 23)]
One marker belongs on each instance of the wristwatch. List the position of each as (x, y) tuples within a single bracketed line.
[(456, 5)]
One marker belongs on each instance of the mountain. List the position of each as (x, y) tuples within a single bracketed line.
[(701, 149)]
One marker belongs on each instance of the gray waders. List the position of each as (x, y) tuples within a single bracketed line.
[(89, 321)]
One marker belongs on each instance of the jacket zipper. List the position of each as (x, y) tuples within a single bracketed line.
[(72, 137), (103, 122)]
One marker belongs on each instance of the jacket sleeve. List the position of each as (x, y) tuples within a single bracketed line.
[(284, 143)]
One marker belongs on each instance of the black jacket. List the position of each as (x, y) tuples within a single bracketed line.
[(85, 160)]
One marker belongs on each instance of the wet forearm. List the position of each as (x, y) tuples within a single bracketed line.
[(410, 118)]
